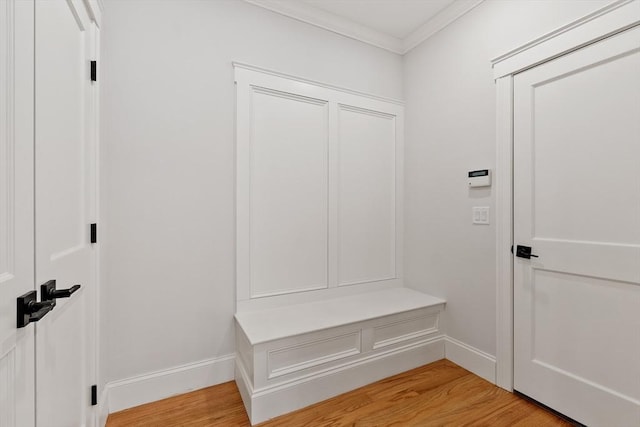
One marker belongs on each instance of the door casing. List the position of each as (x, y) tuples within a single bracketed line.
[(602, 23)]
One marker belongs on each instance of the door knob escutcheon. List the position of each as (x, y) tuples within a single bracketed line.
[(29, 310), (524, 252)]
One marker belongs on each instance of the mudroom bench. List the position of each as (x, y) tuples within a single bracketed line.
[(296, 355)]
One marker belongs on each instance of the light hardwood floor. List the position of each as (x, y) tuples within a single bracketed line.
[(438, 394)]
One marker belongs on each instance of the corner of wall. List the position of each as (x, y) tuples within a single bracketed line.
[(471, 359)]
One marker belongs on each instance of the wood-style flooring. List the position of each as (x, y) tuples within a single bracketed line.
[(438, 394)]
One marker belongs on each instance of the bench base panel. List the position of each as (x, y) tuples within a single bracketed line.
[(278, 399)]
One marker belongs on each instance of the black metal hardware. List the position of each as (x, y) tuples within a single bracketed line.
[(50, 293), (525, 252), (94, 395), (30, 310), (94, 71), (94, 233)]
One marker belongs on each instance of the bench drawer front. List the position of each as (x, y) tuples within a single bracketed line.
[(310, 354)]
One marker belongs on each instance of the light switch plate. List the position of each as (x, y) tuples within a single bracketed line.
[(480, 215)]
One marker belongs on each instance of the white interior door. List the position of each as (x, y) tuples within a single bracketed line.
[(577, 205), (64, 208), (16, 211)]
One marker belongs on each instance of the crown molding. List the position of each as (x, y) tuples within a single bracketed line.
[(346, 27), (249, 67), (442, 19), (331, 22)]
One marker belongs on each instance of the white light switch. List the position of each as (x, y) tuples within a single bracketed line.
[(480, 215)]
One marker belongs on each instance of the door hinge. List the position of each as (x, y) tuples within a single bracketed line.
[(94, 395), (94, 233), (94, 71)]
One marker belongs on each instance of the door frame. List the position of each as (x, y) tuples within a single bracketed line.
[(611, 19)]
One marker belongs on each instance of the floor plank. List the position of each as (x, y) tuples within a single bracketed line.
[(438, 394)]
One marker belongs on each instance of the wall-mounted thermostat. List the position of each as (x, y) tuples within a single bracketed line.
[(480, 178)]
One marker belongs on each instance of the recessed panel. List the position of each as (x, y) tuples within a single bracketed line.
[(289, 143), (586, 153), (7, 208), (578, 324), (366, 196), (61, 81), (6, 141), (310, 354), (404, 330)]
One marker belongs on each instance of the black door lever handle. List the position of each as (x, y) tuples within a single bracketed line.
[(525, 252), (50, 293), (66, 293), (39, 309)]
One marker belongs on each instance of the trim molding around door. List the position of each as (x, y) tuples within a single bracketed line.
[(617, 16), (609, 20)]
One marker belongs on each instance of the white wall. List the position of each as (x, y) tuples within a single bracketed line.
[(168, 155), (450, 129), (168, 108)]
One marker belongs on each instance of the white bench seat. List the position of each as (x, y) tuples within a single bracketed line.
[(272, 324), (296, 355)]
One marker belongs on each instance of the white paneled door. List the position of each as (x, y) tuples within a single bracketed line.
[(16, 211), (577, 207), (65, 206)]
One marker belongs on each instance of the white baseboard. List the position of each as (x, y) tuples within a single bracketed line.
[(471, 359), (158, 385), (130, 392), (279, 399)]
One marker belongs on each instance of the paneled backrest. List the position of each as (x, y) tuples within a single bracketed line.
[(319, 190)]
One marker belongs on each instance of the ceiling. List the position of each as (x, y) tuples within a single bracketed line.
[(395, 25), (397, 18)]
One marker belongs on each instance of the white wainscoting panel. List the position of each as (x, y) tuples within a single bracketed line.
[(296, 358), (319, 189), (264, 404), (366, 199), (403, 330), (289, 148)]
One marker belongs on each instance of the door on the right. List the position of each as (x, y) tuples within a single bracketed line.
[(577, 206)]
